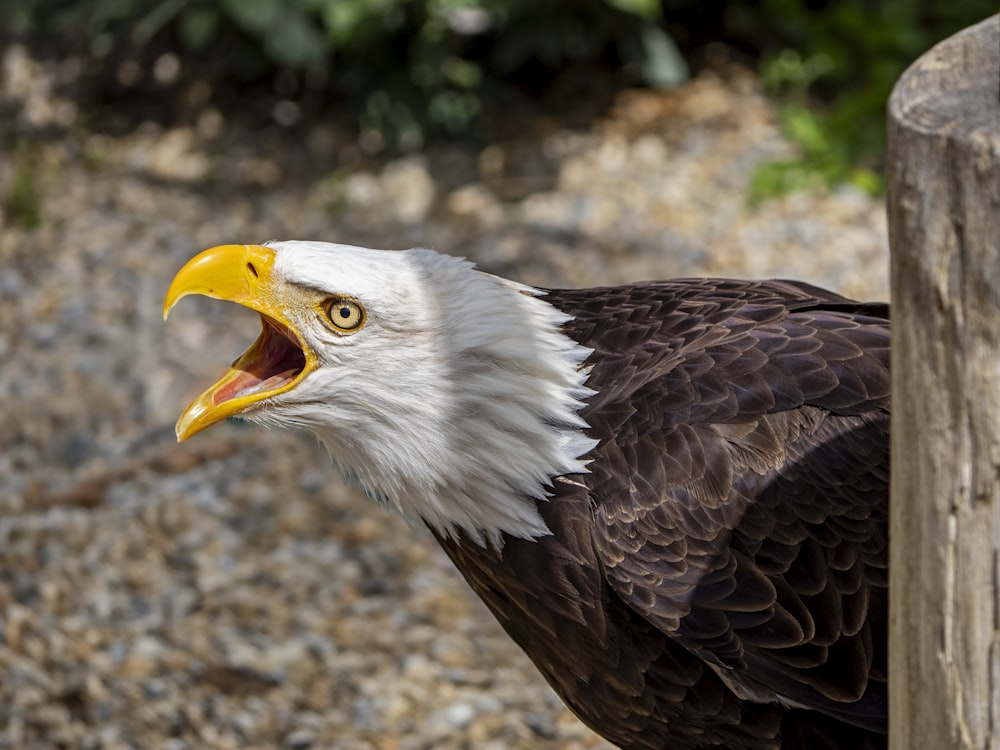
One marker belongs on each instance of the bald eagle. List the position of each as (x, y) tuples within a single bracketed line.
[(672, 495)]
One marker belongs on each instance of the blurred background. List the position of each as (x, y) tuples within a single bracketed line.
[(231, 592)]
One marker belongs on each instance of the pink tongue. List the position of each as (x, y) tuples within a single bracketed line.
[(247, 383)]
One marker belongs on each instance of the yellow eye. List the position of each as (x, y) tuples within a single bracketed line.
[(345, 314)]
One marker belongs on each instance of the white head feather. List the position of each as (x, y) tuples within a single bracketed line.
[(457, 401)]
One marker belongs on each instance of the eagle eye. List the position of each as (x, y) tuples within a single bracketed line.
[(345, 314)]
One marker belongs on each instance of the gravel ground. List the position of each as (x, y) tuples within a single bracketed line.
[(231, 592)]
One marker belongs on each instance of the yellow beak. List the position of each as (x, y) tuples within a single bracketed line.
[(274, 364)]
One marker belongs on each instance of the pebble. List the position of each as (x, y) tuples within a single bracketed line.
[(459, 715), (300, 739)]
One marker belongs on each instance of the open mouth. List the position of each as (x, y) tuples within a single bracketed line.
[(272, 363), (278, 361)]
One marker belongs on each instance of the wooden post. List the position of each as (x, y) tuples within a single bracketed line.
[(944, 230)]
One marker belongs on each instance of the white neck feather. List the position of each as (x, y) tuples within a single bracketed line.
[(461, 406)]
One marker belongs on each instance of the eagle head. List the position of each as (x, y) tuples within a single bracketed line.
[(447, 392)]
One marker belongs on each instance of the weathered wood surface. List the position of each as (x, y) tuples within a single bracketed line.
[(944, 230)]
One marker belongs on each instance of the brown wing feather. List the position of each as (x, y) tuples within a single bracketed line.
[(614, 668), (741, 505), (728, 548)]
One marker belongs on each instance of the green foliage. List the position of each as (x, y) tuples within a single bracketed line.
[(834, 64), (415, 68), (411, 67), (22, 199), (826, 159)]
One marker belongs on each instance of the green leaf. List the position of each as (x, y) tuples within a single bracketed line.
[(342, 19), (256, 16), (453, 111), (296, 42), (663, 65), (347, 20), (805, 128), (649, 9), (462, 73), (198, 26)]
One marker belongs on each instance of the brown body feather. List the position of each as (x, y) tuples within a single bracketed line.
[(719, 578)]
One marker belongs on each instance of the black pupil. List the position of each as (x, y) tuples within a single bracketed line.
[(345, 312)]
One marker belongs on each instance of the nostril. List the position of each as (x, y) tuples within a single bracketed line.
[(252, 270)]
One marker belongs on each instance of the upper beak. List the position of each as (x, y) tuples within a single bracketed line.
[(235, 273), (275, 363)]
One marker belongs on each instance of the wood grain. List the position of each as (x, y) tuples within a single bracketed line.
[(944, 230)]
